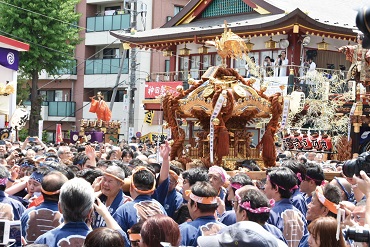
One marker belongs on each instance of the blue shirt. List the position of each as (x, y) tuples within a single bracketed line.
[(161, 191), (70, 234), (119, 200), (172, 202), (289, 220), (141, 208), (11, 209), (202, 226), (228, 218), (274, 231), (298, 201), (308, 199), (36, 221), (304, 241)]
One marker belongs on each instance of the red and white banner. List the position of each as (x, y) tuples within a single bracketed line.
[(58, 135), (155, 89)]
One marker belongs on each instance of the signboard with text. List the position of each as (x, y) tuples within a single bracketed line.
[(155, 89)]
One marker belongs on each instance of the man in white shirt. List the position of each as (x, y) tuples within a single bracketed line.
[(281, 65), (312, 65)]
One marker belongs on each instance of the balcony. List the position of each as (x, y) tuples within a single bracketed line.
[(297, 82), (107, 23), (105, 66), (62, 109)]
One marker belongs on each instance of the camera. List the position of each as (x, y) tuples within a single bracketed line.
[(10, 232), (354, 166), (31, 139), (362, 22), (358, 234)]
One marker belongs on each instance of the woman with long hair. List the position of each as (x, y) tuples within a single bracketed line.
[(323, 233), (157, 229)]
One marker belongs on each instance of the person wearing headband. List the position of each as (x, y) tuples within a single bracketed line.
[(217, 178), (314, 177), (112, 196), (322, 204), (46, 216), (190, 177), (202, 206), (76, 203), (34, 183), (252, 205), (280, 184), (236, 182), (11, 209), (345, 188), (143, 205), (297, 197)]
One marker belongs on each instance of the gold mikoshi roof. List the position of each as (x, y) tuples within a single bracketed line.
[(245, 98)]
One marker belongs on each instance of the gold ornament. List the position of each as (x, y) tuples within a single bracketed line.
[(216, 121), (208, 91), (191, 81), (171, 142), (240, 91), (179, 88)]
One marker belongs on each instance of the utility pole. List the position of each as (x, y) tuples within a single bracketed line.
[(132, 71), (114, 93)]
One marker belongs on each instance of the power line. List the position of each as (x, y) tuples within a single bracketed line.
[(84, 60)]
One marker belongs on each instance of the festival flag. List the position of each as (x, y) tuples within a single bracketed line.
[(149, 115), (59, 137), (9, 58)]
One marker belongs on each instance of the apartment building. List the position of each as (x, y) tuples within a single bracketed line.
[(98, 60)]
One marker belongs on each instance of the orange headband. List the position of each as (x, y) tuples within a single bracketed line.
[(174, 175), (114, 176), (49, 193), (141, 168), (328, 204), (134, 237), (198, 199)]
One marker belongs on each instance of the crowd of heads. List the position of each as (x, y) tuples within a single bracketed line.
[(73, 175)]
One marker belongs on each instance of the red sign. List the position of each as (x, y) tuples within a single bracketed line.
[(155, 89)]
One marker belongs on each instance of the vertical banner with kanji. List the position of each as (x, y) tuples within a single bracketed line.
[(41, 128), (59, 137), (149, 115)]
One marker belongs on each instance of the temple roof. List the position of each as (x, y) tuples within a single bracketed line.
[(313, 17)]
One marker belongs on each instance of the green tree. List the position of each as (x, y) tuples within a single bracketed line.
[(23, 90), (48, 26)]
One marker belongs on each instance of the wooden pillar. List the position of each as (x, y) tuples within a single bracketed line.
[(294, 50), (173, 59), (356, 127), (191, 139)]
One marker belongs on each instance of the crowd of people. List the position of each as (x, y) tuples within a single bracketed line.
[(91, 194)]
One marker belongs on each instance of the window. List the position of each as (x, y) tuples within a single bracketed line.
[(48, 95), (55, 95), (177, 9), (111, 10), (58, 95), (108, 95), (111, 53), (167, 66)]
